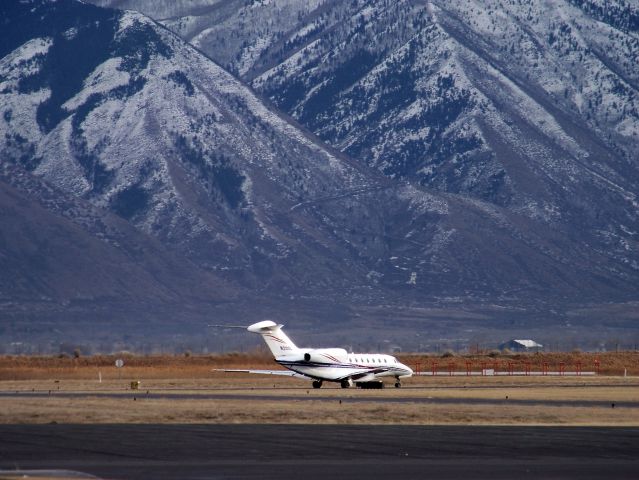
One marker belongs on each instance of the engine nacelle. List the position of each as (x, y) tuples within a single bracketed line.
[(326, 355)]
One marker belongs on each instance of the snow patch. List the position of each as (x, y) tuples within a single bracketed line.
[(104, 78), (22, 62)]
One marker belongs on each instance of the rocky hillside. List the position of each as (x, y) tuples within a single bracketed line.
[(125, 121), (532, 106)]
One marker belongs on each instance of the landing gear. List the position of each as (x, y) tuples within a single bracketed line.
[(317, 384), (398, 384), (370, 385), (348, 383)]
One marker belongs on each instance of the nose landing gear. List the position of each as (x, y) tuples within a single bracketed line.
[(398, 384)]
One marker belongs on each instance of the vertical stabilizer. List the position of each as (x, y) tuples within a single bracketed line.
[(274, 337)]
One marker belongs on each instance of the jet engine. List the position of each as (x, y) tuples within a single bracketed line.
[(325, 355)]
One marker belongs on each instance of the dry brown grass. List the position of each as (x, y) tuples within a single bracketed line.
[(199, 366), (95, 409), (135, 366), (609, 363)]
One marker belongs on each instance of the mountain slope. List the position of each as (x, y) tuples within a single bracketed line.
[(69, 269), (532, 106), (112, 109), (576, 53)]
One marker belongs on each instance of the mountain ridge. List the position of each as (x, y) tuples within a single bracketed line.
[(229, 194)]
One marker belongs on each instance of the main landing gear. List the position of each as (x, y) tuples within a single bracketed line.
[(317, 384), (348, 383)]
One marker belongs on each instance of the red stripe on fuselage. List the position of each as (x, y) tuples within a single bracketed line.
[(330, 357), (275, 338)]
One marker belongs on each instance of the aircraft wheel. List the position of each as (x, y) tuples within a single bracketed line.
[(346, 384), (398, 385), (317, 384)]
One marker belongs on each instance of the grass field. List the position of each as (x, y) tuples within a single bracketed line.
[(216, 397)]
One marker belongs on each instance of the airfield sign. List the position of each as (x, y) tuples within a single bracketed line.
[(119, 363)]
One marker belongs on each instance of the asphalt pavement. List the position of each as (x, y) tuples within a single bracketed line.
[(309, 452)]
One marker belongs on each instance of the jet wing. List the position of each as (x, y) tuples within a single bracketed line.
[(285, 373), (371, 371)]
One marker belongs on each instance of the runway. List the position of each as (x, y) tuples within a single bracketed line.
[(320, 451)]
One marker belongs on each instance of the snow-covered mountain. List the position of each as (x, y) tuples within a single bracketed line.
[(315, 58), (529, 105), (115, 111)]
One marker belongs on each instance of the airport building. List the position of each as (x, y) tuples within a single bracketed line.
[(522, 346)]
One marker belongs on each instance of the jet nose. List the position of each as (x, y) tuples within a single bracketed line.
[(409, 371)]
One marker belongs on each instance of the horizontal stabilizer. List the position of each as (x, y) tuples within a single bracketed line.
[(228, 326), (265, 326)]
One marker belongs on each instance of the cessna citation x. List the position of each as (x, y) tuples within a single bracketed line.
[(365, 370)]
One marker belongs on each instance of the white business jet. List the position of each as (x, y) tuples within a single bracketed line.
[(365, 370)]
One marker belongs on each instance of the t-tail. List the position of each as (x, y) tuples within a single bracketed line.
[(275, 338)]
